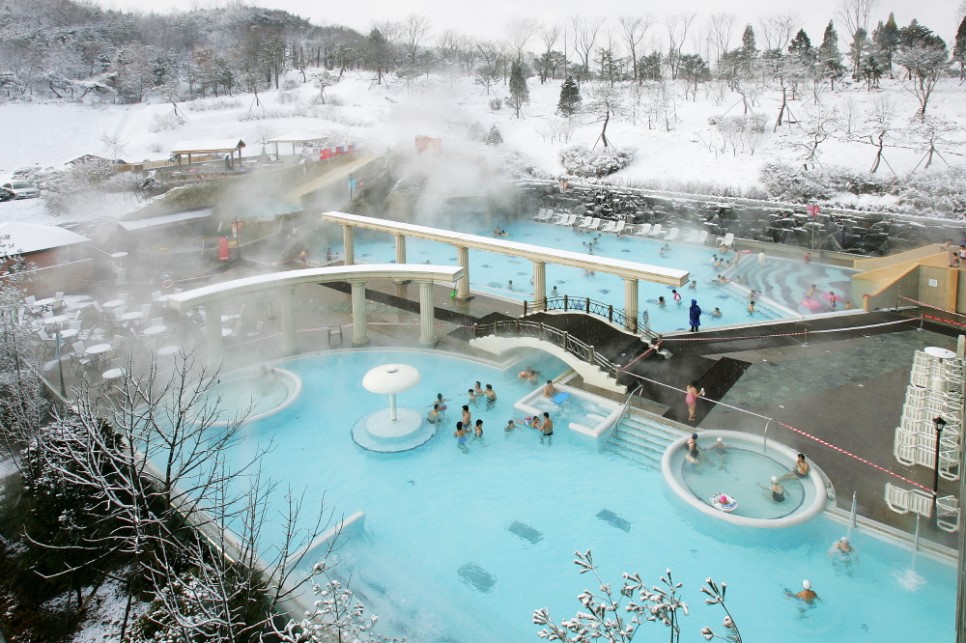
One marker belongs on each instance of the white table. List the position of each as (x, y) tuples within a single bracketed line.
[(166, 351), (150, 331), (114, 303), (227, 332), (44, 303), (113, 374), (134, 315), (939, 353), (56, 320), (97, 349), (67, 333)]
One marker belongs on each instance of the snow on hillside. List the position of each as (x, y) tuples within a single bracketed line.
[(692, 152)]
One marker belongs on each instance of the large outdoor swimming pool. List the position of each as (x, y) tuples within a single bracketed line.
[(782, 283), (463, 544)]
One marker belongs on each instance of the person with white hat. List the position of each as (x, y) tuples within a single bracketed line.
[(843, 547), (807, 595), (777, 490)]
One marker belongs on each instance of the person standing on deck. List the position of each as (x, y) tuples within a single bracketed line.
[(695, 315)]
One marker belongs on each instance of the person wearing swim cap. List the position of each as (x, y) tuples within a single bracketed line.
[(777, 490), (843, 547), (807, 595), (692, 447)]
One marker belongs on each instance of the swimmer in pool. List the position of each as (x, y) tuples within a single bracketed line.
[(843, 547), (546, 426), (807, 595), (510, 425), (800, 470), (467, 417), (460, 434), (716, 313), (490, 395), (433, 417), (777, 490), (549, 390), (478, 429)]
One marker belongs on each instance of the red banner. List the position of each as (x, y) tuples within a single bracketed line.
[(222, 248)]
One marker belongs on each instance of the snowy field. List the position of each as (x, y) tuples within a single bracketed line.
[(679, 148)]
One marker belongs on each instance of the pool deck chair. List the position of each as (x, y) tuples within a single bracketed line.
[(620, 227), (947, 513), (672, 234), (544, 214), (644, 230), (896, 498), (567, 219), (585, 222), (657, 231), (727, 240), (920, 502), (702, 237), (594, 223), (610, 226)]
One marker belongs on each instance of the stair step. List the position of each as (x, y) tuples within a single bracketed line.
[(641, 441)]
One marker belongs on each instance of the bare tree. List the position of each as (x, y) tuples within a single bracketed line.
[(549, 35), (817, 127), (855, 14), (487, 73), (677, 32), (720, 30), (777, 30), (880, 121), (584, 36), (519, 33), (633, 29), (413, 30)]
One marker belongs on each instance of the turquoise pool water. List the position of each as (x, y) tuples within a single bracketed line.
[(463, 544), (783, 283)]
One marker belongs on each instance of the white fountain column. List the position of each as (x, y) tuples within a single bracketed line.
[(392, 408), (216, 343), (463, 285), (360, 331), (286, 304), (400, 255), (539, 285), (348, 250), (630, 303), (427, 314)]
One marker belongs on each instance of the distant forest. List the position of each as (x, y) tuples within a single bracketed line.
[(60, 49)]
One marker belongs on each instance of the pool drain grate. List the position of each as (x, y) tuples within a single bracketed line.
[(526, 532), (614, 520)]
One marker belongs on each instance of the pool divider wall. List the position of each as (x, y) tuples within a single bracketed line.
[(816, 477), (528, 405), (292, 382)]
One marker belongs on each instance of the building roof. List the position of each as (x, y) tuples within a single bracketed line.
[(298, 137), (169, 219), (208, 147), (25, 238)]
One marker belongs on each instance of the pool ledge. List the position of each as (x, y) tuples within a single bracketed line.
[(775, 449)]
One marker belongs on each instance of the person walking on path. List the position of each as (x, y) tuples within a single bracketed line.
[(691, 399), (695, 314)]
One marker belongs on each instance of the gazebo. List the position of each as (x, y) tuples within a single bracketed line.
[(56, 257), (229, 146), (297, 138)]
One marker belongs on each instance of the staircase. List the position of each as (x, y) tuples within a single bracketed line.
[(642, 440)]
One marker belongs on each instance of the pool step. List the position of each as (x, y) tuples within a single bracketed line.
[(642, 441)]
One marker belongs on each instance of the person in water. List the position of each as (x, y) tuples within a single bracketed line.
[(692, 447), (549, 390), (843, 547), (490, 395), (800, 470), (777, 490), (716, 313), (807, 595), (478, 429), (510, 425), (433, 417), (546, 426), (460, 434)]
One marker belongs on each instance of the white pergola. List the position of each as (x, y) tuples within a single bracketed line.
[(631, 272), (284, 283)]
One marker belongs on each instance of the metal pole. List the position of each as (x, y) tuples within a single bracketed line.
[(852, 513), (939, 423), (60, 364)]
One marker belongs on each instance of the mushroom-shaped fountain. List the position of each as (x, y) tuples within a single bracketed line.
[(393, 429)]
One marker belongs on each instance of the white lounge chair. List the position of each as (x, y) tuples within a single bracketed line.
[(672, 234), (920, 503), (585, 222), (619, 227), (610, 226), (657, 231), (896, 498), (702, 237), (727, 240), (594, 223), (567, 219), (947, 513), (644, 229)]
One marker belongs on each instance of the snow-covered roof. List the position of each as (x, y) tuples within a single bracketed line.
[(297, 137), (207, 147), (168, 219), (34, 237)]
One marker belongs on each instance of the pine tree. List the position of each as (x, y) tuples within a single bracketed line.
[(886, 40), (829, 56), (519, 93), (569, 98), (493, 137), (959, 49), (800, 47), (858, 50)]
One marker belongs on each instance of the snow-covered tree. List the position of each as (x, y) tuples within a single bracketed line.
[(569, 102), (925, 57), (519, 93), (959, 49), (885, 37), (493, 137), (322, 80), (829, 57)]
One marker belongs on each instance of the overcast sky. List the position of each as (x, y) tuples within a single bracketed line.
[(488, 17)]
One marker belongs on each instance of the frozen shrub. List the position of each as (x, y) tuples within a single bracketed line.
[(785, 182), (582, 161), (493, 137), (941, 192), (496, 104)]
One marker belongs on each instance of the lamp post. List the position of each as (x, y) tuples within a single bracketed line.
[(60, 364), (236, 227), (939, 423)]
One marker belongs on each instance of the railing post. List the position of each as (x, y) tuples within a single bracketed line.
[(517, 325), (610, 313), (590, 355), (587, 305), (524, 307), (540, 329), (476, 330), (566, 342), (565, 303)]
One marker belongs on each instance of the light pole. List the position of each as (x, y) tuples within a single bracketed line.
[(939, 423), (60, 364), (236, 226)]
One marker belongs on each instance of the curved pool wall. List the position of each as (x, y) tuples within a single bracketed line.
[(815, 499), (284, 377)]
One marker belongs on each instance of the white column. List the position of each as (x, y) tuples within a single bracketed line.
[(347, 248), (286, 302), (216, 343), (400, 256), (463, 285), (630, 303), (360, 332), (427, 314), (539, 285)]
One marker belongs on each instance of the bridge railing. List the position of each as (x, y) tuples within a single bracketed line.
[(590, 306), (562, 339)]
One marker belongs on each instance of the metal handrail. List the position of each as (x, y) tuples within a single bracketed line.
[(630, 399), (589, 306), (562, 339)]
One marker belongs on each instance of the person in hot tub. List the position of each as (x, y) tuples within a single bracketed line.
[(777, 490)]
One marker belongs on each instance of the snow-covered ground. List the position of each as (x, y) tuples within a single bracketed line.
[(692, 152)]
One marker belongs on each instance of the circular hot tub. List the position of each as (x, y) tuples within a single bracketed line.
[(253, 393), (741, 472)]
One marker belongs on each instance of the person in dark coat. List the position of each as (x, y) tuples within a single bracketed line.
[(695, 314)]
